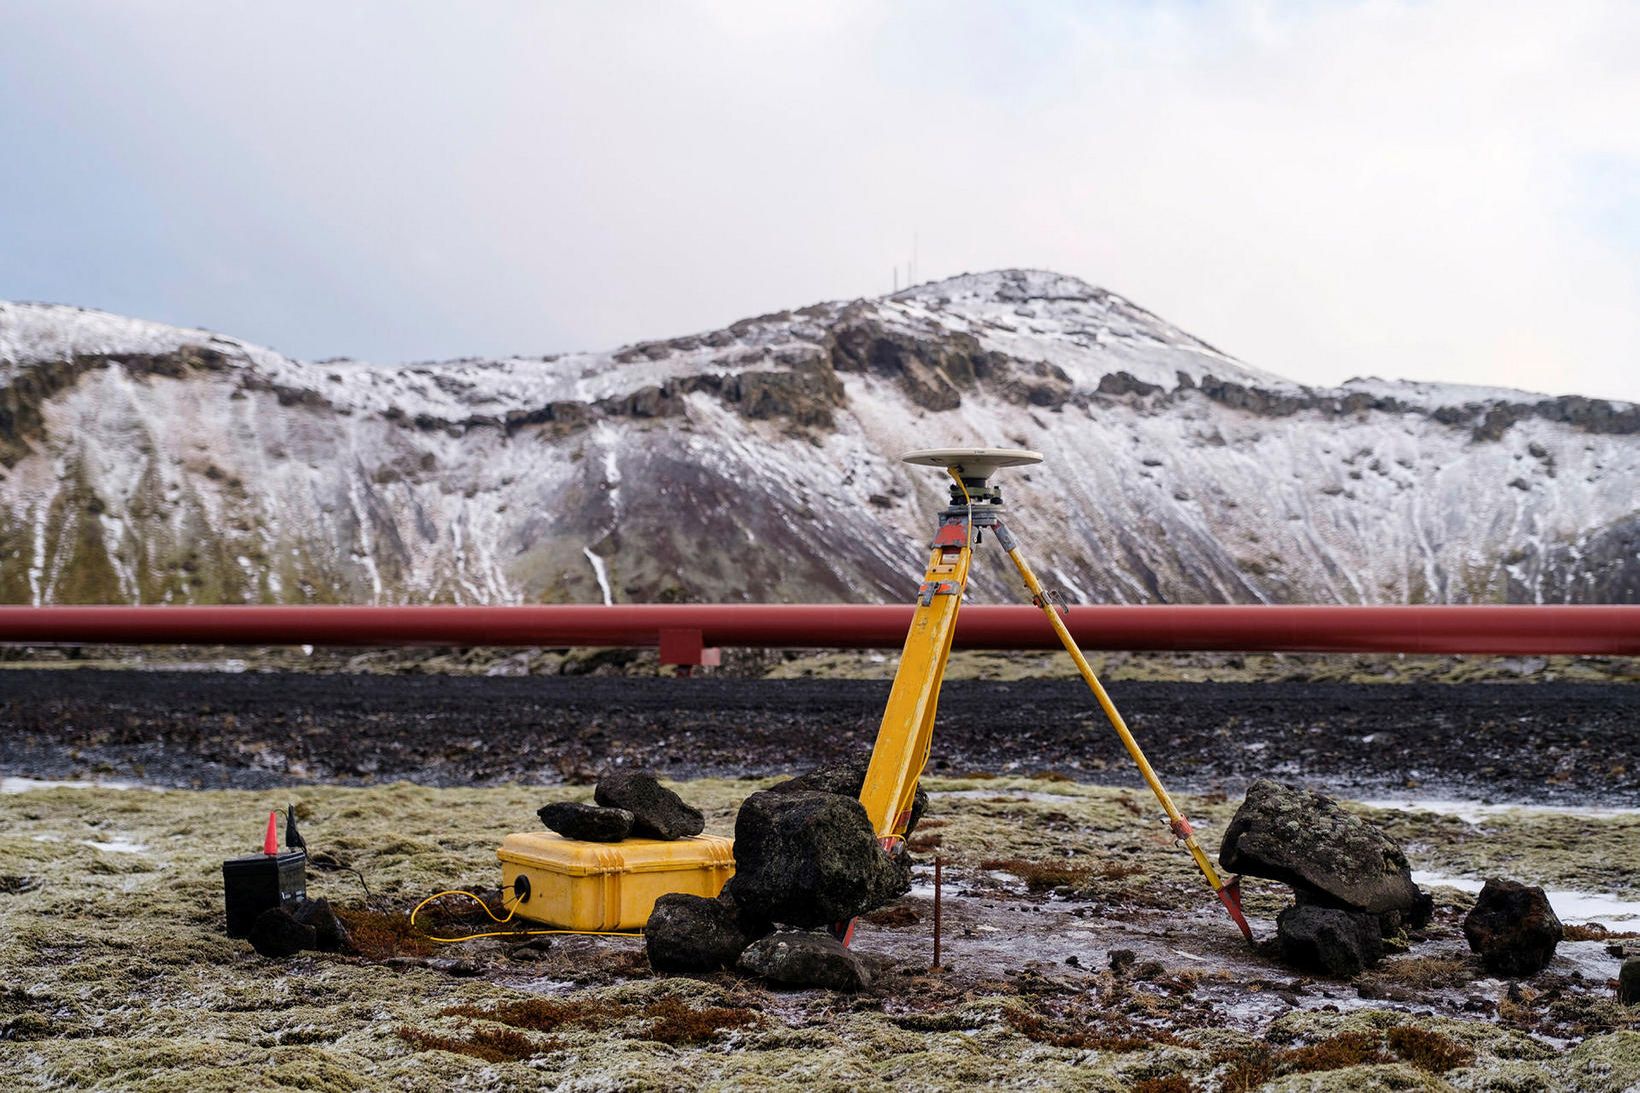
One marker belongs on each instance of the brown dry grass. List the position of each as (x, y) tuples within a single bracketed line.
[(1065, 1032), (669, 1020), (677, 1024), (379, 935), (493, 1045), (1428, 1050), (1040, 876), (1425, 1049)]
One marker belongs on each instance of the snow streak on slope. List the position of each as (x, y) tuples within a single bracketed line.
[(148, 463)]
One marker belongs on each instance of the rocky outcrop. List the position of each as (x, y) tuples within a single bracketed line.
[(1512, 928)]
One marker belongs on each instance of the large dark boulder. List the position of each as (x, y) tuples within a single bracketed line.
[(591, 823), (1330, 940), (847, 779), (276, 934), (793, 958), (1304, 839), (657, 812), (688, 933), (1512, 928), (807, 858)]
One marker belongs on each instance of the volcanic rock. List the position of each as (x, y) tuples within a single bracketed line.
[(1513, 928), (689, 933), (1628, 981), (330, 935), (847, 779), (1304, 839), (589, 822), (793, 958), (1332, 940), (806, 858), (657, 812), (276, 934)]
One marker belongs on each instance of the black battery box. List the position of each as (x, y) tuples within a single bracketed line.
[(254, 884)]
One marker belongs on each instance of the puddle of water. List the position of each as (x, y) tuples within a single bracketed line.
[(1599, 908), (1476, 811), (25, 785)]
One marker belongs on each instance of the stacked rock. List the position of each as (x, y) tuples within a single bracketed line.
[(1351, 883), (806, 858), (630, 803)]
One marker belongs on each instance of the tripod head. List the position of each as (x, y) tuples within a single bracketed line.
[(974, 466)]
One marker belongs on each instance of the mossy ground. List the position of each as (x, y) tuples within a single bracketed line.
[(117, 974)]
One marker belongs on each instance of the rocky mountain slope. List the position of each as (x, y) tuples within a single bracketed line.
[(142, 462)]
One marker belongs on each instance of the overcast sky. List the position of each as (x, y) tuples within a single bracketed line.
[(1424, 190)]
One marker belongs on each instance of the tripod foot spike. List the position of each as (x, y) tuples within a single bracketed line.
[(1230, 895)]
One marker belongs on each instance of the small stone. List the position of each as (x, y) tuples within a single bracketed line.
[(688, 933), (588, 823), (657, 812), (794, 958), (1628, 982), (1512, 928), (277, 935), (1333, 940), (330, 935)]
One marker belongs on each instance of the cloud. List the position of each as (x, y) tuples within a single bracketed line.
[(1438, 191)]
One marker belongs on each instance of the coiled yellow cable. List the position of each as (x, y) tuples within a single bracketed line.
[(509, 917)]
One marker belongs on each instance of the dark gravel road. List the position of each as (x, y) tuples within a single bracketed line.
[(1569, 743)]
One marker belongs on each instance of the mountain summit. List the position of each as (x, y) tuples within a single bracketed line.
[(141, 462)]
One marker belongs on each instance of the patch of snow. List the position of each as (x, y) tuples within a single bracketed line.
[(1596, 908), (602, 574), (1474, 812)]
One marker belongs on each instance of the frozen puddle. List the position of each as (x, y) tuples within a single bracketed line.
[(1476, 811), (1597, 908)]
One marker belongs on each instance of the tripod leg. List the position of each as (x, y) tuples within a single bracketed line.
[(1229, 894), (907, 729)]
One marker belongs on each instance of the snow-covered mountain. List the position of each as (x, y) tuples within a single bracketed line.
[(143, 462)]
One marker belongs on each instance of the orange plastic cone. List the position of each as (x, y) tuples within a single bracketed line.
[(270, 841)]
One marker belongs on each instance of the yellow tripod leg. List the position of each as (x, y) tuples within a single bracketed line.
[(1228, 894), (907, 729)]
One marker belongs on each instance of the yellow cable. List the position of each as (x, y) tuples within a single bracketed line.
[(952, 471), (504, 933)]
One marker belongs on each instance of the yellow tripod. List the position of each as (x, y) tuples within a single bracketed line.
[(907, 731)]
